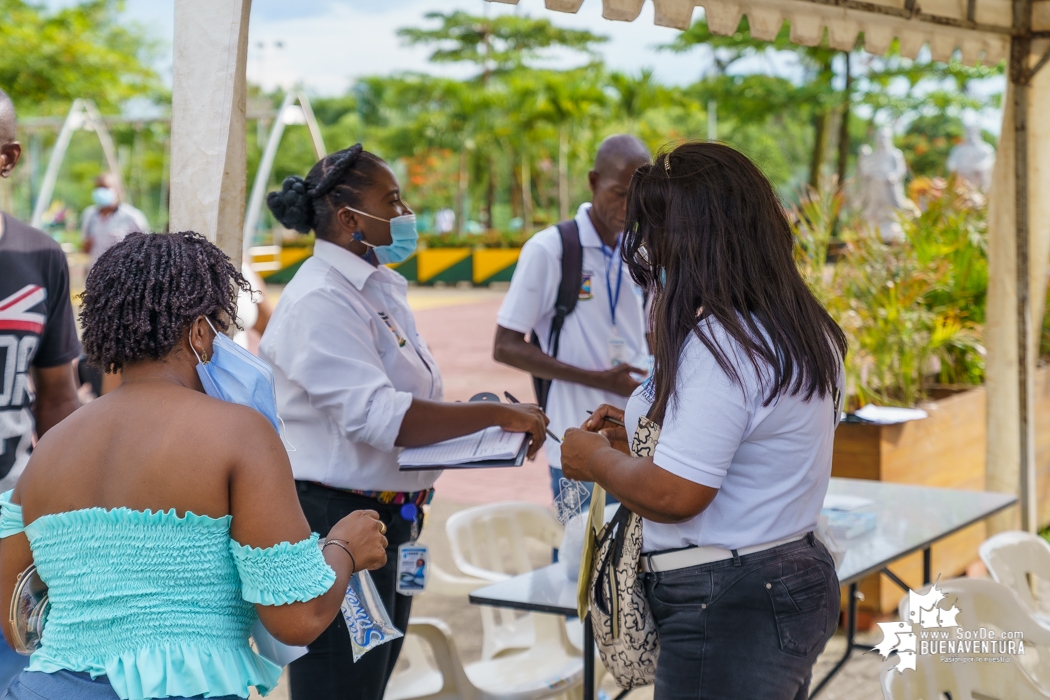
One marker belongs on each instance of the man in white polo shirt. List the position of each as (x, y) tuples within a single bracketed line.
[(601, 352)]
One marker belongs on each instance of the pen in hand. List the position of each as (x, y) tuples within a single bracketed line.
[(510, 397), (607, 419)]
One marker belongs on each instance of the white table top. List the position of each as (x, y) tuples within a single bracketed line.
[(910, 518)]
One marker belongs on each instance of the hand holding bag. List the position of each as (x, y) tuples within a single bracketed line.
[(624, 629)]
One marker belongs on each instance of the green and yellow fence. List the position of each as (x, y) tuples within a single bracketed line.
[(478, 266)]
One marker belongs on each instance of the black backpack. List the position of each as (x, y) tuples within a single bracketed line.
[(568, 294)]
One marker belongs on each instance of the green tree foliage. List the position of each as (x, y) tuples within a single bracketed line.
[(887, 87), (50, 57), (498, 44), (510, 147)]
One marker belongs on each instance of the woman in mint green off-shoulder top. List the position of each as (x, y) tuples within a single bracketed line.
[(165, 522)]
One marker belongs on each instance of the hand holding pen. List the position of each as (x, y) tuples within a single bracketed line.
[(608, 421), (510, 397)]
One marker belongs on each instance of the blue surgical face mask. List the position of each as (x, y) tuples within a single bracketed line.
[(104, 196), (233, 374), (403, 238)]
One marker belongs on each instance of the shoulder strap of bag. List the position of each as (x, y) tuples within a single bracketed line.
[(565, 303)]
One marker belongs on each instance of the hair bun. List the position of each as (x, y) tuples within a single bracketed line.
[(292, 206)]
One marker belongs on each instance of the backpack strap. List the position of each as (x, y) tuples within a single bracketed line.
[(571, 280), (565, 302)]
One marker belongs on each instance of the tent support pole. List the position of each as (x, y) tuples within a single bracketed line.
[(1020, 78), (208, 143)]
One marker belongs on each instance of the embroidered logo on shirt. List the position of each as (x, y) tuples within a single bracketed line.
[(585, 286), (389, 324)]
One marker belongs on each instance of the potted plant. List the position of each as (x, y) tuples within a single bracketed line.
[(913, 313)]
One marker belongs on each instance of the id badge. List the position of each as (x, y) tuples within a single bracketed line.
[(617, 351), (413, 568)]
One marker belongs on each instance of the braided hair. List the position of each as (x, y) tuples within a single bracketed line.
[(339, 179), (144, 292)]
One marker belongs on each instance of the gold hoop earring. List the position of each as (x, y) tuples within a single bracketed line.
[(204, 357)]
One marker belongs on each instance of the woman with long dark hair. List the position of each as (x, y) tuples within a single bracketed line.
[(745, 397)]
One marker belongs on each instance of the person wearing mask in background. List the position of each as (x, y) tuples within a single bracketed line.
[(748, 388), (355, 382), (106, 222), (602, 349), (38, 341)]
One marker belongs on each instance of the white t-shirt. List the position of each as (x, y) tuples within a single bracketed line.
[(770, 464), (107, 231), (584, 342)]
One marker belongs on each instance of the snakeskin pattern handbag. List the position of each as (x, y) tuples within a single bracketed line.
[(624, 629)]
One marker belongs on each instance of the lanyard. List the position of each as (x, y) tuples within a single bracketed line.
[(614, 299)]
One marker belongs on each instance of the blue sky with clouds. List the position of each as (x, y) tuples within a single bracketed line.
[(329, 43)]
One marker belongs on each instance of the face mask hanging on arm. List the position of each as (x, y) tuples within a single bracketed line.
[(233, 374), (403, 238)]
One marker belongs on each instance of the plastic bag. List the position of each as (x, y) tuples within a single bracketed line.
[(28, 613), (836, 548), (269, 648), (571, 550), (366, 617)]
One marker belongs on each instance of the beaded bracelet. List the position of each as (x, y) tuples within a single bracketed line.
[(339, 544)]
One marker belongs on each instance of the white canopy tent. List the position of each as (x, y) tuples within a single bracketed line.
[(208, 152)]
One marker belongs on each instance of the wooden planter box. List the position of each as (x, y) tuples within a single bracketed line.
[(947, 450)]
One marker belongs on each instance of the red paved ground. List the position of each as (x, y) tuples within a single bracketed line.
[(460, 337)]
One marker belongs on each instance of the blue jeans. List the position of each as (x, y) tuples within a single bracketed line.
[(744, 628), (69, 685), (11, 664)]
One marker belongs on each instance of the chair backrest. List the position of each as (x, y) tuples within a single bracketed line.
[(934, 680), (492, 542), (986, 603), (983, 603), (1014, 558)]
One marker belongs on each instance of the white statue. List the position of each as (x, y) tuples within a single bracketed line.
[(881, 173), (972, 160)]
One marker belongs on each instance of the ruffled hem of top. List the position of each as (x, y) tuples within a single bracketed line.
[(125, 517), (284, 573), (183, 670), (10, 516)]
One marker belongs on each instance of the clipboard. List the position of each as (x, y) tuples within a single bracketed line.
[(519, 459)]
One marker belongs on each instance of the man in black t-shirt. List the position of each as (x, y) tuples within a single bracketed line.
[(38, 342), (38, 338)]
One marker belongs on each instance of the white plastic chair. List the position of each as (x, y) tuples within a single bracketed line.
[(1018, 560), (415, 675), (550, 668), (986, 603), (933, 680), (491, 543)]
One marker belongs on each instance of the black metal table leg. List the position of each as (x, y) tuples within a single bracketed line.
[(851, 630), (926, 566), (588, 659)]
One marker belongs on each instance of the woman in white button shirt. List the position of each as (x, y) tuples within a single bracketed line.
[(746, 387), (355, 381)]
